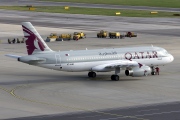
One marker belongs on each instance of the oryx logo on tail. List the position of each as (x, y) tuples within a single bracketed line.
[(34, 42)]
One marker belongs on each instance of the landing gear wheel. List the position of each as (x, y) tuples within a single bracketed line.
[(89, 74), (92, 74), (115, 78), (153, 73)]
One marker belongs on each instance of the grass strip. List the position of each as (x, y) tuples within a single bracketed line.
[(92, 11), (151, 3)]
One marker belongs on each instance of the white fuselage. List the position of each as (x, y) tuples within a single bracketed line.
[(94, 60), (136, 61)]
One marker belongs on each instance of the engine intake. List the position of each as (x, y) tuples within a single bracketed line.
[(129, 72), (138, 72)]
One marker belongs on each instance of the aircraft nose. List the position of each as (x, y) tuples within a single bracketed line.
[(171, 58)]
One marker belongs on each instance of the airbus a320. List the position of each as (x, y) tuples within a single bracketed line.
[(136, 61)]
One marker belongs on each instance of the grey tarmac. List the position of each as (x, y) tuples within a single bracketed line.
[(163, 111), (158, 26), (27, 91)]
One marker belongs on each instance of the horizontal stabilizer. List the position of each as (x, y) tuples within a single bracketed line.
[(13, 56)]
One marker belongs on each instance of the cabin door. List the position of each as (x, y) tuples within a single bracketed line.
[(58, 59)]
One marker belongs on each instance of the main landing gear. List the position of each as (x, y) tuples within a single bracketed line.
[(92, 74), (114, 77)]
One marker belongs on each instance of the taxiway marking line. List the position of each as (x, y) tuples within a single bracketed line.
[(6, 90), (12, 92), (88, 116), (159, 113), (147, 110)]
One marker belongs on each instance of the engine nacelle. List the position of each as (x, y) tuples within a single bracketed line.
[(138, 72)]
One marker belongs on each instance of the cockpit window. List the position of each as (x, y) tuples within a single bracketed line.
[(165, 52)]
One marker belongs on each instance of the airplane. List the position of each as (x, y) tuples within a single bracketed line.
[(136, 61)]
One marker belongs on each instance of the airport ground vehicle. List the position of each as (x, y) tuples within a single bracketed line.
[(55, 37), (116, 35), (11, 40), (20, 40), (15, 40), (64, 37), (51, 37), (130, 34), (78, 35), (102, 34)]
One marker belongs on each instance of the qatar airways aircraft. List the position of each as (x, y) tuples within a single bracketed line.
[(136, 61)]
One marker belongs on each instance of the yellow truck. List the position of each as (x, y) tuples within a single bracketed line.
[(78, 35), (55, 37), (116, 35), (51, 37), (102, 34), (64, 37)]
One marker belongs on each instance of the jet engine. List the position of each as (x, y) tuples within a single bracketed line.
[(138, 71)]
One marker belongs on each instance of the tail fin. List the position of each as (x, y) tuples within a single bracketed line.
[(34, 43)]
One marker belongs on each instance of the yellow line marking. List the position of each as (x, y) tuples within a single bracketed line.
[(12, 92), (6, 90)]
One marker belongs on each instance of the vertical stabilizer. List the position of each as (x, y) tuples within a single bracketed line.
[(34, 43)]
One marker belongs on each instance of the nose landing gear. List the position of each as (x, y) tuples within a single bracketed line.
[(153, 71)]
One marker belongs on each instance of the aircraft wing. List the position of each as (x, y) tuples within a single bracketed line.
[(13, 56), (122, 64), (115, 64)]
